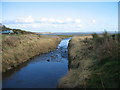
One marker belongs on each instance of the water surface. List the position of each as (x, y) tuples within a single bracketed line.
[(43, 71)]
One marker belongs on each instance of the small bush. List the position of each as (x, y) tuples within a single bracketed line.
[(105, 34), (107, 48), (95, 36)]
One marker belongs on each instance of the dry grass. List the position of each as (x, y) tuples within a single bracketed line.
[(76, 78), (18, 49), (108, 48), (93, 62)]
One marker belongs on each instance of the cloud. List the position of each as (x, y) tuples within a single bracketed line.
[(94, 21), (78, 21), (46, 26), (51, 20), (29, 19), (43, 23), (43, 19), (69, 20)]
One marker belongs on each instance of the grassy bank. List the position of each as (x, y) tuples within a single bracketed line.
[(65, 36), (93, 62), (78, 63), (17, 49)]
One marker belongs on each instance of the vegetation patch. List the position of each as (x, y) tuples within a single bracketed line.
[(106, 69), (65, 36), (93, 62)]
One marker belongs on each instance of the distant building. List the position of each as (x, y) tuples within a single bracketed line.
[(7, 32)]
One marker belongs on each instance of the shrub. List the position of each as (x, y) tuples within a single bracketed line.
[(106, 46), (95, 36), (105, 34)]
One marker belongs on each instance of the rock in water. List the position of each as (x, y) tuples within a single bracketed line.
[(48, 60)]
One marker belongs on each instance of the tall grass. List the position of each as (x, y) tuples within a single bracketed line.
[(93, 62), (106, 46), (106, 69)]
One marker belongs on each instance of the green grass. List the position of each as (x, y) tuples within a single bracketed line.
[(6, 35), (105, 75), (65, 36)]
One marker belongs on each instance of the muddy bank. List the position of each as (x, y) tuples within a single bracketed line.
[(16, 49), (79, 62)]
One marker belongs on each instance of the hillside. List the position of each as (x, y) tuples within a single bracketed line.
[(16, 31)]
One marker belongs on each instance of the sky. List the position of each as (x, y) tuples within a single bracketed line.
[(60, 16)]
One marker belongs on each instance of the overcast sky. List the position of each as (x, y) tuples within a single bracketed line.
[(61, 16)]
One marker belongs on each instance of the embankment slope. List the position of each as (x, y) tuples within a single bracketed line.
[(93, 63), (17, 49), (79, 63)]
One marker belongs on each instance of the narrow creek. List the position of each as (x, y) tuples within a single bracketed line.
[(43, 71)]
